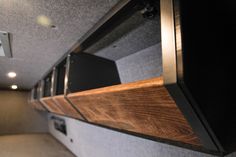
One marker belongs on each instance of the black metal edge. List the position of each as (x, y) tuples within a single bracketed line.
[(200, 115), (192, 117), (180, 73), (148, 137), (172, 70)]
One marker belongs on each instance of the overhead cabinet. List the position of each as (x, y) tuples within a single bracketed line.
[(59, 88), (206, 67), (47, 92), (47, 84), (34, 98), (128, 93), (83, 72), (136, 108), (115, 79), (136, 72), (53, 84), (59, 78)]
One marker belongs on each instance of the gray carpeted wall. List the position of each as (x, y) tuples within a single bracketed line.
[(90, 140)]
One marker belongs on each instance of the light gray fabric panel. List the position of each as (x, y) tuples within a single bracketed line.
[(36, 48), (93, 141), (141, 65), (133, 35), (17, 116)]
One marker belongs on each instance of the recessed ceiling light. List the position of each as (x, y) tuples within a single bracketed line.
[(44, 21), (11, 74), (14, 87)]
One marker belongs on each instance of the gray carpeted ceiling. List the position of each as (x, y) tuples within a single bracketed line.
[(37, 48), (134, 34)]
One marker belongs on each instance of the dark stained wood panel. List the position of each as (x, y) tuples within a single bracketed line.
[(143, 107), (51, 105), (37, 105), (67, 108)]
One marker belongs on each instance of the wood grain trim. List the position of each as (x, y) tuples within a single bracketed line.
[(143, 107), (51, 105), (37, 105), (66, 107), (122, 87)]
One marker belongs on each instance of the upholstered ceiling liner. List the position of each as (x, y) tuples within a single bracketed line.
[(37, 48)]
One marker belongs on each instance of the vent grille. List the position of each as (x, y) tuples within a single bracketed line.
[(5, 45)]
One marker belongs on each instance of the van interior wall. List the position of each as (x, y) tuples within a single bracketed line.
[(88, 140), (17, 116)]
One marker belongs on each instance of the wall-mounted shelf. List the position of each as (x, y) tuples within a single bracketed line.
[(127, 93), (142, 107), (150, 88)]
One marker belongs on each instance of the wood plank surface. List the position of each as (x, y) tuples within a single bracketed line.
[(143, 107), (37, 105), (51, 105), (66, 107)]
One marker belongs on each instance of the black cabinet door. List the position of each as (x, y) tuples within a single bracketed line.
[(208, 45)]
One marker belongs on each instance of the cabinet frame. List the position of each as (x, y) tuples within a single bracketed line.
[(172, 63), (173, 74)]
